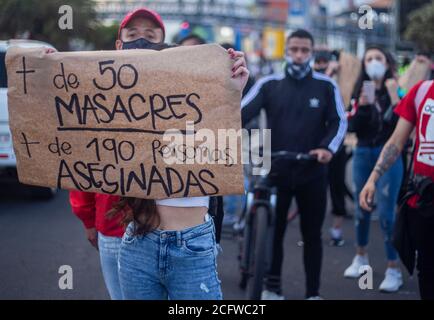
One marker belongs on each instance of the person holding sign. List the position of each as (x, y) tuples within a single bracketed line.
[(84, 103), (141, 29), (373, 121), (169, 248)]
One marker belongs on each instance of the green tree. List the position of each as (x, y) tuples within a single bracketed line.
[(405, 8), (39, 20), (420, 26)]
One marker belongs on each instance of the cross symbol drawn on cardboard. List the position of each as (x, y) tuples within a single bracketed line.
[(27, 143), (24, 72)]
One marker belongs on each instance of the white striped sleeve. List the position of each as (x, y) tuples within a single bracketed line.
[(254, 91), (340, 109)]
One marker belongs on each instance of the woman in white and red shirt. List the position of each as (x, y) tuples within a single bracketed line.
[(416, 110)]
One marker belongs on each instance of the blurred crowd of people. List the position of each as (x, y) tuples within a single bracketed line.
[(306, 113)]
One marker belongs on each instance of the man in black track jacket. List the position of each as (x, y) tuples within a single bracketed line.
[(306, 114)]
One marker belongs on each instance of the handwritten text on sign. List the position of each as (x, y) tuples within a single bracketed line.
[(95, 121)]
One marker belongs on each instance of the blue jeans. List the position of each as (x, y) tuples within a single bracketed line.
[(386, 196), (176, 265), (109, 254)]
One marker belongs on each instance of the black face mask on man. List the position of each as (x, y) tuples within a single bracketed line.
[(140, 43)]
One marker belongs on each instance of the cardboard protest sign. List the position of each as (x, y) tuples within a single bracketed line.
[(115, 121), (349, 69), (417, 71)]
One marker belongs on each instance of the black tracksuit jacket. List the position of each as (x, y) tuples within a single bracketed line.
[(303, 115)]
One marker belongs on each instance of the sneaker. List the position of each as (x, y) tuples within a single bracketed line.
[(270, 295), (353, 270), (392, 280), (315, 298), (337, 242)]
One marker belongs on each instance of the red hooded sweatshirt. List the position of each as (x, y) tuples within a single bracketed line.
[(91, 209)]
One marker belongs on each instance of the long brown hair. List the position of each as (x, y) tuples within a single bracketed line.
[(143, 212)]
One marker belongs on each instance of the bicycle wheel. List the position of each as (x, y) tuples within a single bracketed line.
[(257, 253)]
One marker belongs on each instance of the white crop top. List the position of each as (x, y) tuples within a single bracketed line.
[(184, 202)]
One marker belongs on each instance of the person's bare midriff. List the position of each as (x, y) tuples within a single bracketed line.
[(179, 218)]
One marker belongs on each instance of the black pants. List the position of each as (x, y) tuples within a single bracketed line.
[(336, 175), (311, 200), (421, 230)]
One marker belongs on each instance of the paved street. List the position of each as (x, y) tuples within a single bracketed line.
[(37, 237), (101, 96)]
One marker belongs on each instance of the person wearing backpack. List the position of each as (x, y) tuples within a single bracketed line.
[(415, 220)]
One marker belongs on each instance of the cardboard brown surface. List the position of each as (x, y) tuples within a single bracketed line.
[(94, 121), (349, 69), (417, 71)]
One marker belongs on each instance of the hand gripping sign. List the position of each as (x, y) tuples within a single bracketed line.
[(139, 123)]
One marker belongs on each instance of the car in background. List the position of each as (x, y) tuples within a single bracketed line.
[(8, 164)]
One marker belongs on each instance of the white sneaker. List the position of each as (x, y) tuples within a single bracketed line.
[(392, 280), (353, 271), (270, 295)]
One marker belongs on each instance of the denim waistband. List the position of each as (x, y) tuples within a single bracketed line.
[(185, 234)]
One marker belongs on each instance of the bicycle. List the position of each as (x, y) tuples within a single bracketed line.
[(255, 228)]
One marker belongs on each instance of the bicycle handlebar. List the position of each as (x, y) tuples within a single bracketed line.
[(290, 155)]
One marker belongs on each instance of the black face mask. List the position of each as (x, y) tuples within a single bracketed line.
[(140, 43)]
